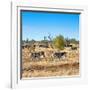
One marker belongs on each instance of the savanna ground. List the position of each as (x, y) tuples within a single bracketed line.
[(47, 67)]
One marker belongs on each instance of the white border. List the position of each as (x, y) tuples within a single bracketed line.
[(15, 11)]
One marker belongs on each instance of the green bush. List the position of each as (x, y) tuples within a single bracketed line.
[(59, 42)]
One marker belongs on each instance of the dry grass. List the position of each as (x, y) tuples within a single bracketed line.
[(49, 67)]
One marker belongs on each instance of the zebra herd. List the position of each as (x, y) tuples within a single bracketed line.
[(35, 56)]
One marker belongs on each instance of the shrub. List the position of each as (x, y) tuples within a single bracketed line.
[(59, 42)]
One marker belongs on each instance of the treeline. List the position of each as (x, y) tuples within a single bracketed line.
[(59, 41)]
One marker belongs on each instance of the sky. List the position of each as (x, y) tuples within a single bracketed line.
[(36, 25)]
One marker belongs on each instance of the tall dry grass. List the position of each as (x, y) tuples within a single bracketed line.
[(50, 67)]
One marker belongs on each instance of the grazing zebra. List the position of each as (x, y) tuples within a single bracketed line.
[(59, 55), (37, 55)]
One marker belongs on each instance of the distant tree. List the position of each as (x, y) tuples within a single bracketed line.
[(32, 41), (45, 38), (59, 42), (27, 40), (74, 41), (49, 37), (67, 41)]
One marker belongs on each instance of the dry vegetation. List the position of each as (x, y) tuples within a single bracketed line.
[(50, 67)]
